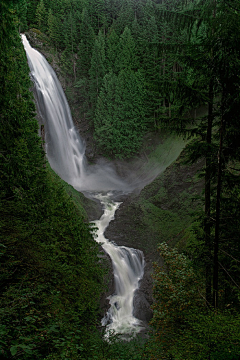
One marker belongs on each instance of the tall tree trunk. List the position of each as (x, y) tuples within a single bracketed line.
[(207, 224), (218, 209), (216, 238)]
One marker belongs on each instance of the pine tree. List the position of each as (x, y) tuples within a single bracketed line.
[(20, 8), (41, 16), (70, 32), (86, 45), (54, 29), (31, 12), (120, 114), (128, 58), (112, 50), (97, 70), (125, 17)]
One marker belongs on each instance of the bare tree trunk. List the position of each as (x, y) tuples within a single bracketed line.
[(207, 222), (216, 238), (163, 62), (218, 209)]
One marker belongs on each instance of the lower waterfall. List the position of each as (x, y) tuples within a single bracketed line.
[(128, 268)]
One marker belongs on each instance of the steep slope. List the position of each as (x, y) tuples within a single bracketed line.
[(51, 276)]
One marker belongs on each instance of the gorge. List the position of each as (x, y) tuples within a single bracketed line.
[(66, 155)]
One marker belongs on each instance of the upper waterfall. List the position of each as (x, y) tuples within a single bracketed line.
[(62, 139), (64, 146)]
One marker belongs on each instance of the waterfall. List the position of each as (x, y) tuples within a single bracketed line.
[(128, 268), (64, 147), (65, 152)]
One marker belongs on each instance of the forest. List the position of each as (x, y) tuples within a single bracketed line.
[(130, 67)]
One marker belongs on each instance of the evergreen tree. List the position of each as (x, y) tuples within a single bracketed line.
[(86, 44), (31, 12), (120, 114), (70, 33), (136, 30), (20, 8), (112, 50), (151, 63), (127, 51), (125, 17), (97, 70), (54, 29), (41, 16), (113, 9)]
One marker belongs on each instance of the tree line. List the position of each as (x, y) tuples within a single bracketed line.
[(111, 52)]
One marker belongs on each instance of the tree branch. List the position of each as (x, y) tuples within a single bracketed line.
[(229, 275)]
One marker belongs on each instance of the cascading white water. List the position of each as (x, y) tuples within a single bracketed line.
[(128, 268), (65, 152), (65, 149)]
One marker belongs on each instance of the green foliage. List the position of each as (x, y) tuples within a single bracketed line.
[(183, 327), (120, 112), (70, 28), (209, 335), (51, 278), (175, 293), (20, 10), (125, 17), (127, 48), (41, 16), (54, 29), (97, 70), (112, 50), (53, 258), (86, 43), (31, 11)]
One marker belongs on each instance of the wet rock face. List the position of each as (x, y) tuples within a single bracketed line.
[(143, 298), (109, 280), (142, 309)]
